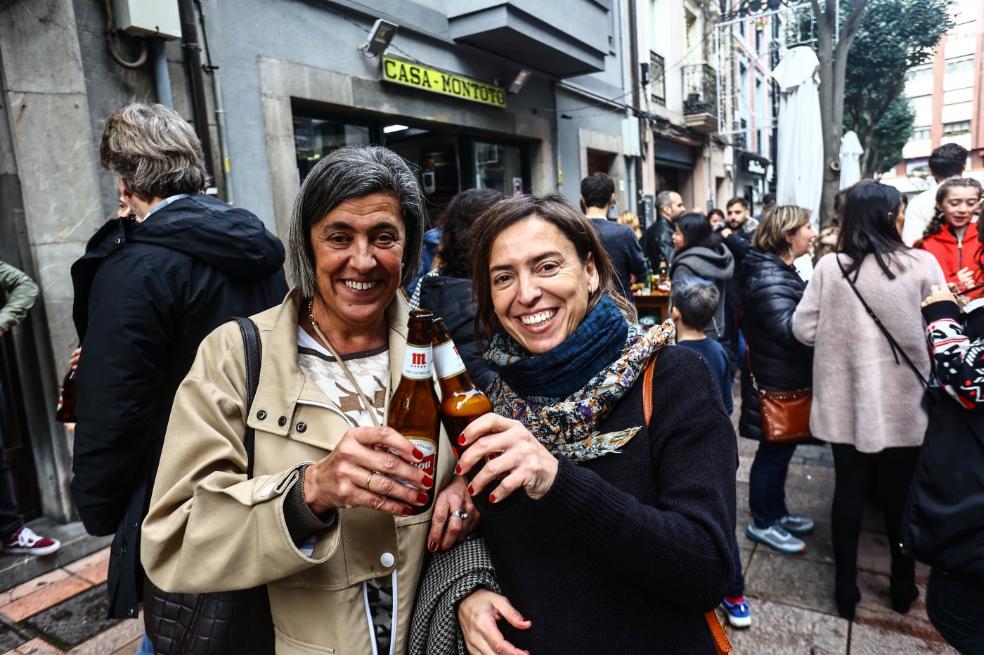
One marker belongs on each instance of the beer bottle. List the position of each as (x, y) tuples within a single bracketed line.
[(413, 410), (461, 403), (65, 411)]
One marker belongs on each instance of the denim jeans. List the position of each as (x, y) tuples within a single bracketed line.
[(737, 587), (146, 648), (10, 516), (956, 608), (767, 483)]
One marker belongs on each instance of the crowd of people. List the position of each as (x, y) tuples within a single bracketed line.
[(226, 460)]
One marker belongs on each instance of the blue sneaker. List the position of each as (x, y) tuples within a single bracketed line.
[(737, 611), (797, 525)]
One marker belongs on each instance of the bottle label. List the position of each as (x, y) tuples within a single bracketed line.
[(448, 361), (417, 362), (429, 449)]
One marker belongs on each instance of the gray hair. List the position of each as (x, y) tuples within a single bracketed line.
[(352, 172), (663, 199), (154, 151)]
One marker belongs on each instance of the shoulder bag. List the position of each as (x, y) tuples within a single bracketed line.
[(221, 623), (785, 414), (721, 644)]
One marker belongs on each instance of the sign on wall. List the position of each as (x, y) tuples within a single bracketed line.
[(424, 78)]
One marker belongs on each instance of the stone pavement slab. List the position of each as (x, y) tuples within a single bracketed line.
[(780, 629)]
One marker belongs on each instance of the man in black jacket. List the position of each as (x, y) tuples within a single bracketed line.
[(147, 291), (621, 244), (657, 242)]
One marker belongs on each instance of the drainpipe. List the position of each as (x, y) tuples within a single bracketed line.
[(636, 101), (162, 77), (193, 68)]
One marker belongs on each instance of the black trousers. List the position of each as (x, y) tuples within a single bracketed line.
[(890, 471), (10, 516), (956, 609)]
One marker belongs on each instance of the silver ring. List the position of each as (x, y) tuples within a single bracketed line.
[(461, 515), (369, 480)]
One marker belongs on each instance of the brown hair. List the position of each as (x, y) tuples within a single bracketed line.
[(556, 210), (771, 233), (154, 151), (939, 220)]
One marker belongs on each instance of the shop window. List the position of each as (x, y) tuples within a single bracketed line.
[(316, 137), (499, 167)]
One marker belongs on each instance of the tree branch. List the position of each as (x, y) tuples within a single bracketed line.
[(854, 20)]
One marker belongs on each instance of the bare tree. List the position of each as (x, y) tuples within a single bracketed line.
[(833, 64)]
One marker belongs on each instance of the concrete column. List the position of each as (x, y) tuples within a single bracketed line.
[(51, 152)]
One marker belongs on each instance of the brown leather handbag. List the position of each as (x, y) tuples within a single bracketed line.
[(221, 623), (785, 414)]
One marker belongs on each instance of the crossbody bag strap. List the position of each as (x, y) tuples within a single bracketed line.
[(893, 344), (721, 644), (253, 350)]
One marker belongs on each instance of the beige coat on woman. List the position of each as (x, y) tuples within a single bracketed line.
[(861, 395), (211, 529)]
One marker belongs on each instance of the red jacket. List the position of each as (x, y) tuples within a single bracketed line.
[(954, 255)]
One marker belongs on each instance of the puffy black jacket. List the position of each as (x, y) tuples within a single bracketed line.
[(146, 294), (451, 299), (770, 293)]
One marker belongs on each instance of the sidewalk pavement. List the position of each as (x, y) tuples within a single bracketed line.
[(63, 610)]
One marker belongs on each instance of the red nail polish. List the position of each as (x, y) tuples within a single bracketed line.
[(407, 511), (491, 498), (431, 546), (457, 469), (422, 497), (461, 439), (471, 491), (428, 481), (417, 454)]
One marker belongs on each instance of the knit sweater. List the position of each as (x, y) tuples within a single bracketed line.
[(862, 394), (626, 552)]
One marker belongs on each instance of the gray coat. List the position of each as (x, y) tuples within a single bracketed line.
[(21, 292), (713, 263)]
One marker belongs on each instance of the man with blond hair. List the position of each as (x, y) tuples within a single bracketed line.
[(147, 291)]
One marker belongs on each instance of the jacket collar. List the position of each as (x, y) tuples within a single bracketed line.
[(282, 383)]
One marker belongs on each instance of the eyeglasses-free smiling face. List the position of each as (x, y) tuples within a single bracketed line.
[(959, 205), (358, 257), (540, 287)]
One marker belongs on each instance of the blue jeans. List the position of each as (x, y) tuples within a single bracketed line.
[(767, 483), (737, 587), (146, 648)]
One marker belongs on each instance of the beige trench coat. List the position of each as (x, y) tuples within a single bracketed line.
[(211, 529)]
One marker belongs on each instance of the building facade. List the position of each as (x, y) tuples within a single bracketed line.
[(946, 95), (521, 96)]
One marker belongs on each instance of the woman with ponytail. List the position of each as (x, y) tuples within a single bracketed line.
[(952, 237)]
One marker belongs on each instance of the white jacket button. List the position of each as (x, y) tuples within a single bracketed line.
[(387, 559)]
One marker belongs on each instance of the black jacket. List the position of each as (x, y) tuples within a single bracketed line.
[(624, 250), (657, 242), (626, 552), (146, 294), (771, 291), (451, 299), (714, 263)]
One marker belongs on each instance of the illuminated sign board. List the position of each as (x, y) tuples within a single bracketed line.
[(420, 77)]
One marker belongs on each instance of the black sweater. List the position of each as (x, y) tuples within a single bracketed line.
[(625, 553)]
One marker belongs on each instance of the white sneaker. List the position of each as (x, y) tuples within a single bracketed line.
[(776, 537)]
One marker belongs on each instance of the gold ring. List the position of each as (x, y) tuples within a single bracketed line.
[(369, 480)]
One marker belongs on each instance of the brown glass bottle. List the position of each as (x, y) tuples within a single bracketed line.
[(65, 411), (461, 403), (413, 410)]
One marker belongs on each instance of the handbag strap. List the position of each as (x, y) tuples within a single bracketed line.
[(253, 350), (893, 344), (721, 644)]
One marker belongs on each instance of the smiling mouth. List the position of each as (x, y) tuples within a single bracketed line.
[(359, 286), (538, 319)]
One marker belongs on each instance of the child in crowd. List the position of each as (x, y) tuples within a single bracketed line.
[(694, 301)]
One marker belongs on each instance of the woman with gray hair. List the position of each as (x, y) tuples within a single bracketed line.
[(324, 522)]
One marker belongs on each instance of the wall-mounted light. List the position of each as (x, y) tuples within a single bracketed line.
[(389, 129), (519, 81), (380, 37)]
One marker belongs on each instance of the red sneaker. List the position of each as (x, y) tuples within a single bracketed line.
[(27, 542)]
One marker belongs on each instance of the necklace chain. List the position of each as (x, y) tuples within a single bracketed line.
[(367, 407)]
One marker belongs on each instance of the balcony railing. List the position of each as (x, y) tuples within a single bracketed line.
[(699, 89)]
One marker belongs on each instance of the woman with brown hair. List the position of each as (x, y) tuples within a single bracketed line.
[(602, 498)]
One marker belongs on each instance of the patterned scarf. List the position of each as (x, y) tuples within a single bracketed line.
[(567, 426)]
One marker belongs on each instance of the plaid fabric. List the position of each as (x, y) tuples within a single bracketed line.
[(450, 576)]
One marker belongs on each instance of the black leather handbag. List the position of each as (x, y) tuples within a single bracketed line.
[(221, 623)]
